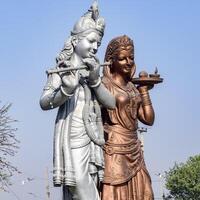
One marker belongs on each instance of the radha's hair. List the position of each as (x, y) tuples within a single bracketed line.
[(114, 46)]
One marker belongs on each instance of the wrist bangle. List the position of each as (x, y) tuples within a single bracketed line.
[(64, 92), (146, 99), (96, 84), (144, 93), (146, 102)]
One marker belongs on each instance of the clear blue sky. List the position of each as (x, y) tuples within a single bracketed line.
[(166, 34)]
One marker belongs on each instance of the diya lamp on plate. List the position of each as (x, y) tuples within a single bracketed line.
[(145, 79)]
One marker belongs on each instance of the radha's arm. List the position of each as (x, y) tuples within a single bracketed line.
[(145, 112), (102, 93)]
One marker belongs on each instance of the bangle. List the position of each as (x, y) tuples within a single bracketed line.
[(144, 93), (146, 101), (64, 92), (96, 84)]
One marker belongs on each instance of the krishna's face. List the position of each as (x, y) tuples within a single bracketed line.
[(87, 46)]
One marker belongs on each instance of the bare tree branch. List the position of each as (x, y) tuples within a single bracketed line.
[(8, 147)]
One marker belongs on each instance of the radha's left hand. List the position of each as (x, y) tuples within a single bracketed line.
[(144, 88)]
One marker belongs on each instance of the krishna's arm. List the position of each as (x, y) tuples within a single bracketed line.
[(104, 96)]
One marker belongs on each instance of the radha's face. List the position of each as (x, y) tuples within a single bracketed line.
[(87, 46), (123, 62)]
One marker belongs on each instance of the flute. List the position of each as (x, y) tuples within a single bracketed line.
[(68, 69)]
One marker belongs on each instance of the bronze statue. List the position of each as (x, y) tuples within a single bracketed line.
[(125, 174)]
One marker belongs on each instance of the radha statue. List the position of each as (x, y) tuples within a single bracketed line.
[(78, 136), (125, 175)]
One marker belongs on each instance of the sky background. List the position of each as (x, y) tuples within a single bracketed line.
[(166, 35)]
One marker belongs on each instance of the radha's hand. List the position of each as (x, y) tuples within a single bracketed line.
[(144, 88)]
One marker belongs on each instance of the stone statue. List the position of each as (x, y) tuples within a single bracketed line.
[(125, 175), (78, 157)]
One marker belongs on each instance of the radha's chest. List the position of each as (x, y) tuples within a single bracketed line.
[(127, 97)]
